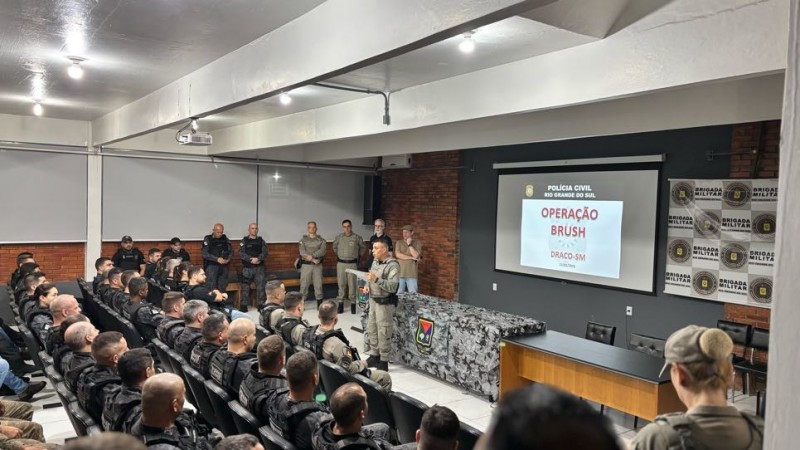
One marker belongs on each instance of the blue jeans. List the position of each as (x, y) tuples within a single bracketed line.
[(236, 314), (9, 379), (407, 285)]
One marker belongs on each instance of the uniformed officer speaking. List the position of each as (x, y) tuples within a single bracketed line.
[(384, 278), (253, 251), (217, 252), (348, 248), (312, 251)]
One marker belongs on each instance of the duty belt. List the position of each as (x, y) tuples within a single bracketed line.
[(348, 261)]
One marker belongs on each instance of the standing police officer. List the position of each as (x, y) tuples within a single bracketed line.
[(253, 251), (128, 257), (348, 248), (384, 279), (217, 252), (312, 251)]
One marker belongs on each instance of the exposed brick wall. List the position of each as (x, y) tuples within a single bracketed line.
[(61, 262), (764, 138), (427, 196)]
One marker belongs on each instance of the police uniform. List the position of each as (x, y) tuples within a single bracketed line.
[(347, 249), (373, 239), (58, 358), (229, 369), (270, 315), (217, 273), (53, 340), (187, 340), (374, 437), (291, 329), (702, 427), (161, 438), (96, 283), (128, 259), (256, 388), (72, 365), (201, 292), (333, 346), (310, 272), (253, 248), (169, 329), (295, 421), (123, 407), (144, 316), (200, 358), (93, 385), (119, 300), (382, 303), (40, 322), (169, 253), (149, 270), (26, 305)]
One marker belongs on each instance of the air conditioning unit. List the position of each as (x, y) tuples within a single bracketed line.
[(196, 138), (396, 162)]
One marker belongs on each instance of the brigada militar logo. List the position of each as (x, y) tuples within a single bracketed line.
[(682, 193), (736, 194), (761, 290), (704, 283), (679, 251), (424, 336)]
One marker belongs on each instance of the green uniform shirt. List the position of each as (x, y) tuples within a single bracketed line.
[(315, 246), (408, 267), (349, 247)]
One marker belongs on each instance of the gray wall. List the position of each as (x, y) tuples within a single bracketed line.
[(564, 306)]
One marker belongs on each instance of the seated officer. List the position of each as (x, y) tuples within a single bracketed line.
[(264, 379), (438, 431), (194, 313), (102, 265), (198, 291), (173, 324), (94, 382), (291, 326), (28, 300), (215, 336), (273, 309), (122, 406), (38, 317), (701, 372), (240, 442), (329, 343), (346, 430), (78, 338), (230, 365), (112, 287), (118, 302), (292, 412), (152, 259), (144, 316), (162, 403), (61, 308), (61, 349)]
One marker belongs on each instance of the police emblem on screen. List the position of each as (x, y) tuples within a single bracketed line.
[(424, 337), (529, 190)]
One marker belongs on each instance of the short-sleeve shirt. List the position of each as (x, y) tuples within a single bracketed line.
[(408, 267)]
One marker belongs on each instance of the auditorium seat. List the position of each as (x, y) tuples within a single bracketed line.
[(196, 383), (380, 411), (82, 420), (272, 441), (219, 401), (467, 437), (178, 363), (245, 421), (647, 344), (162, 351), (600, 333), (332, 376), (33, 345), (407, 412)]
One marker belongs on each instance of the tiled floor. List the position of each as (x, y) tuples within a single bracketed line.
[(473, 410)]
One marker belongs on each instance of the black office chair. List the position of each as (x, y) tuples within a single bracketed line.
[(759, 340), (83, 421), (380, 410), (64, 394), (647, 344), (244, 420), (407, 412), (467, 437), (33, 345), (196, 383), (600, 333), (272, 441), (332, 376), (178, 363), (162, 350), (219, 401), (52, 374)]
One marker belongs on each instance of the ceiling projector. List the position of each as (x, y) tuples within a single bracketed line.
[(195, 138)]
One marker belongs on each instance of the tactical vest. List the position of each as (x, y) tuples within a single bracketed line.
[(251, 248), (53, 340), (256, 386), (265, 315), (217, 365), (185, 345), (60, 355), (129, 310), (229, 362), (128, 259), (91, 391), (350, 442), (163, 438), (119, 300), (383, 297), (165, 330), (37, 311), (77, 364), (217, 247), (681, 424), (285, 326), (315, 342), (201, 356), (123, 407), (286, 420)]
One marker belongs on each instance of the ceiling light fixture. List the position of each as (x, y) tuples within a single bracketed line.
[(285, 98), (75, 71), (195, 125), (38, 109), (468, 44), (277, 176)]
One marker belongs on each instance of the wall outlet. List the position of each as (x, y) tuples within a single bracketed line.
[(494, 286), (629, 310)]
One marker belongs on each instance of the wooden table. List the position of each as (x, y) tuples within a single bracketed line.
[(622, 379)]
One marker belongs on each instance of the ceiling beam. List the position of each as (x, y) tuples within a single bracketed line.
[(335, 38)]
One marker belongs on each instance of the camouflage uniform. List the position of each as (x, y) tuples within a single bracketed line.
[(382, 303), (347, 249), (310, 272)]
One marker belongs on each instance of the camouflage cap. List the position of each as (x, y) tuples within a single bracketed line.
[(696, 344)]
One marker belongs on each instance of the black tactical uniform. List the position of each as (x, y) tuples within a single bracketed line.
[(72, 365), (96, 283), (169, 329), (59, 356), (200, 358), (169, 253), (39, 322), (185, 435), (229, 369), (123, 407), (53, 339), (26, 305), (266, 312), (128, 259), (119, 301), (295, 421), (253, 248), (324, 439), (187, 340), (256, 389), (286, 327), (144, 316), (93, 385), (217, 273), (203, 292)]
